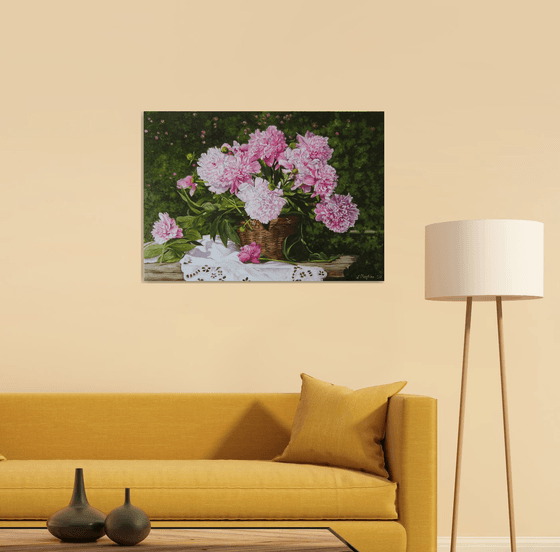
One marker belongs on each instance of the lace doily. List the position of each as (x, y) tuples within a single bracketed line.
[(212, 262)]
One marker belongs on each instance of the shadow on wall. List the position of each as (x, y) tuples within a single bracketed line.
[(257, 436)]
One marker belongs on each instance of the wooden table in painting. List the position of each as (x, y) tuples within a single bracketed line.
[(191, 540), (171, 272)]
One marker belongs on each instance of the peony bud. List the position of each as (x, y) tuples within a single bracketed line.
[(293, 145), (224, 150), (294, 171)]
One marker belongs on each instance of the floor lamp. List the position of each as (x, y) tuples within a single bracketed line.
[(484, 260)]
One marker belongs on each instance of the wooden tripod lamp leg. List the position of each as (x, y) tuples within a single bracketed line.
[(461, 420), (506, 424)]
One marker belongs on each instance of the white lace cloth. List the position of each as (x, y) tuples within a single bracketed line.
[(212, 262)]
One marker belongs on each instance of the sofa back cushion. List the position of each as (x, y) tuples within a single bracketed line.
[(145, 426)]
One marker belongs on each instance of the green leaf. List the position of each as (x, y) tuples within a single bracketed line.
[(194, 207), (231, 233), (187, 222), (289, 242), (182, 248), (208, 206), (222, 230), (191, 235), (214, 229), (171, 256), (153, 250)]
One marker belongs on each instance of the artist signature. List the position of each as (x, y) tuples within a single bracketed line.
[(366, 277)]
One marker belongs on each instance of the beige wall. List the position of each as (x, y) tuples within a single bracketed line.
[(471, 94)]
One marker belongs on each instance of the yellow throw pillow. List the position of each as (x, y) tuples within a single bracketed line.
[(337, 426), (2, 458)]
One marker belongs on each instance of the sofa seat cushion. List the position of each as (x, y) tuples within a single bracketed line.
[(198, 489)]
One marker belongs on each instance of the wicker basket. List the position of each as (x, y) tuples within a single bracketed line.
[(270, 240)]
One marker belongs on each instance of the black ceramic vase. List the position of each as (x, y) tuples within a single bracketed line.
[(78, 522), (127, 525)]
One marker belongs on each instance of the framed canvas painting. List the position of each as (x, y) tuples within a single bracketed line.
[(243, 196)]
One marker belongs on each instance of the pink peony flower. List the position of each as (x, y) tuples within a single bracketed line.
[(250, 253), (337, 213), (211, 168), (261, 203), (306, 167), (322, 178), (316, 146), (238, 169), (165, 229), (313, 174), (185, 183), (294, 158), (267, 145), (242, 149)]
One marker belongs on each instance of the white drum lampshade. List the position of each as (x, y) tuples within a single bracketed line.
[(484, 259)]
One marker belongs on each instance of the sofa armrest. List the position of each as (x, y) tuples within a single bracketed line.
[(411, 458)]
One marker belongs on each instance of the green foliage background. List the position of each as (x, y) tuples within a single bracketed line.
[(358, 157)]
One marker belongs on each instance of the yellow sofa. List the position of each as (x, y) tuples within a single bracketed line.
[(204, 460)]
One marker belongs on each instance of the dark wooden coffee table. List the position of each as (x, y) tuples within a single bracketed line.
[(163, 539)]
